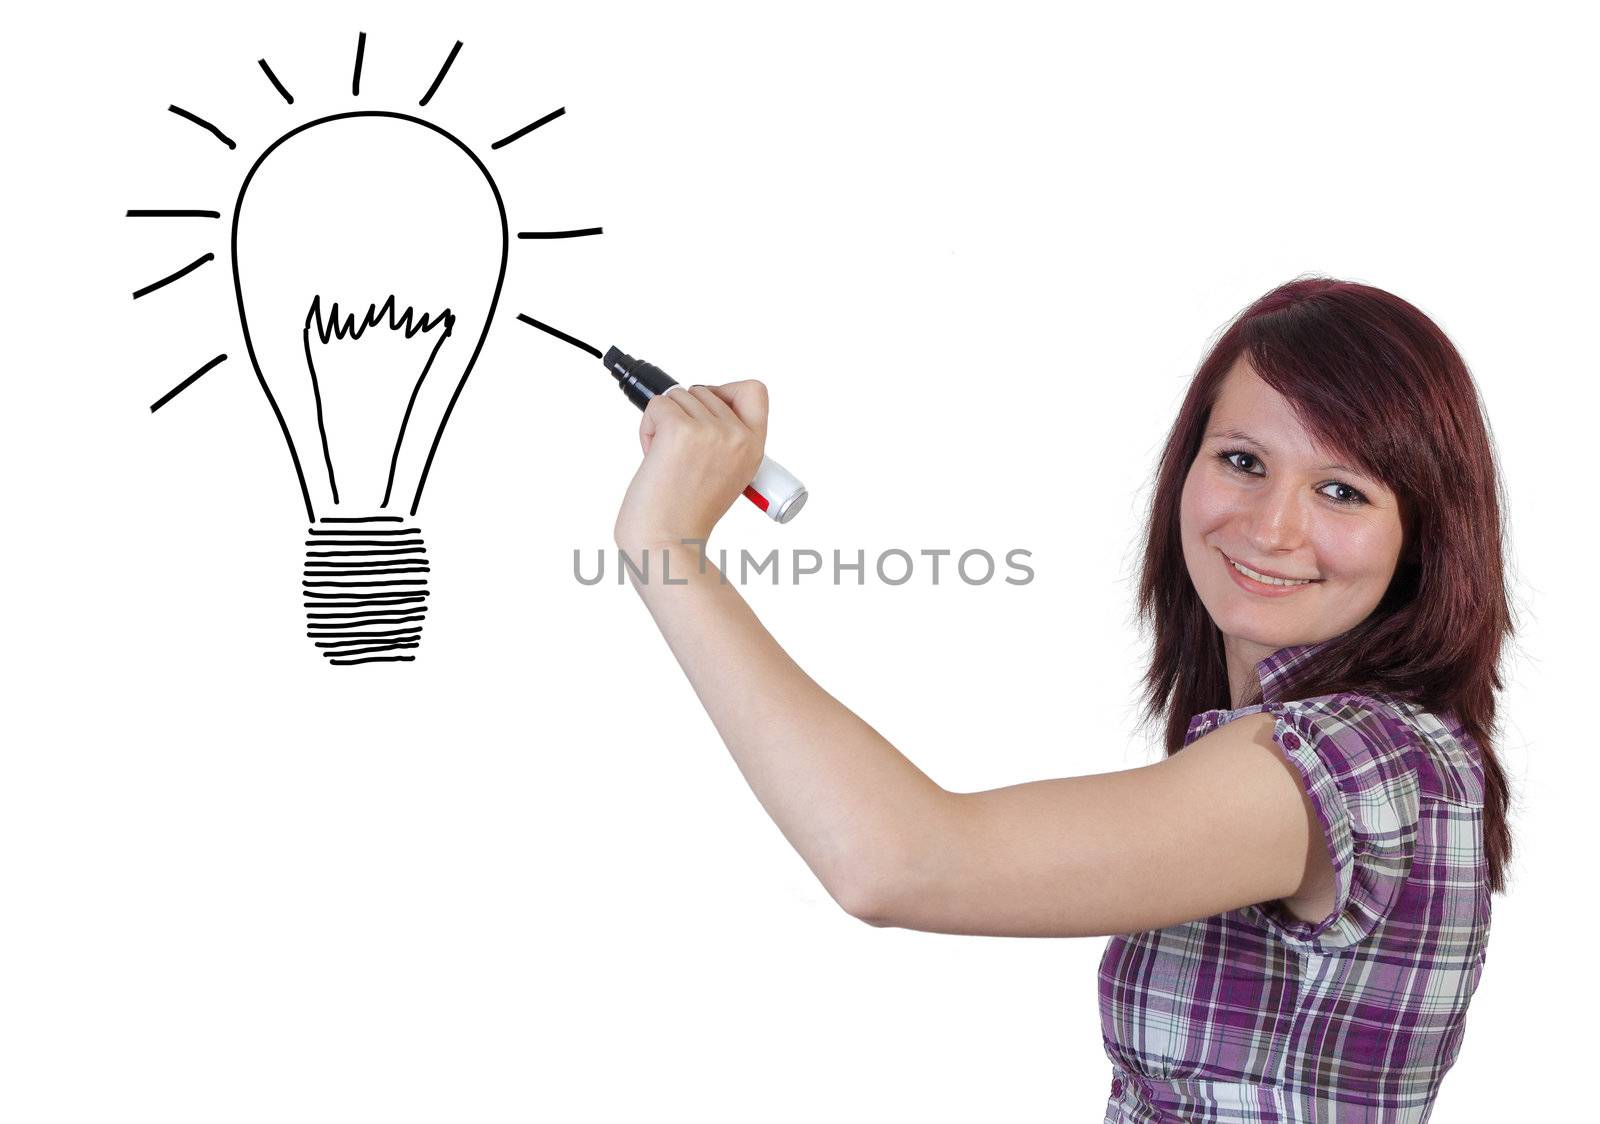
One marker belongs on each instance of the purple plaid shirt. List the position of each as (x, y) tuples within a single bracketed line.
[(1256, 1016)]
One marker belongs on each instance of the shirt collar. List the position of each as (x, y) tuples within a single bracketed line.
[(1277, 670)]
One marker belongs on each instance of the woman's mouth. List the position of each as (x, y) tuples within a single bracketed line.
[(1260, 584)]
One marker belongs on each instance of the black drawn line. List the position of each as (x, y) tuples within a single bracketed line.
[(185, 384), (363, 542), (359, 598), (364, 574), (369, 623), (376, 597), (356, 645), (316, 393), (443, 70), (375, 642), (366, 638), (174, 214), (359, 553), (526, 129), (355, 79), (403, 536), (394, 461), (560, 233), (332, 328), (375, 609), (373, 659), (238, 291), (405, 612), (322, 567), (372, 641), (360, 519), (376, 566), (560, 335), (273, 78), (360, 651), (341, 575), (204, 124), (416, 622), (364, 598), (171, 277), (359, 585), (405, 604)]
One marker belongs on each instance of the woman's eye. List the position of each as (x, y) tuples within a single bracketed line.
[(1228, 458), (1355, 497)]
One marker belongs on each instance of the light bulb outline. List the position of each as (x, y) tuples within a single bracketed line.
[(494, 301)]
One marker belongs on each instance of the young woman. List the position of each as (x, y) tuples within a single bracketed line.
[(1300, 911)]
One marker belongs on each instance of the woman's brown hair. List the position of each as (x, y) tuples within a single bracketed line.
[(1374, 379)]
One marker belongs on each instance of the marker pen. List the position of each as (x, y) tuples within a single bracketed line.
[(774, 489)]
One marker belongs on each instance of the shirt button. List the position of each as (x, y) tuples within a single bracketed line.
[(1116, 1086), (1292, 741)]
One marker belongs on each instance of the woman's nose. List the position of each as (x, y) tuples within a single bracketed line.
[(1276, 521)]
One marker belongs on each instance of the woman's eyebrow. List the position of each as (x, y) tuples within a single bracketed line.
[(1241, 435)]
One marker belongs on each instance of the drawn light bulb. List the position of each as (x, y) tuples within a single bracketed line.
[(369, 251)]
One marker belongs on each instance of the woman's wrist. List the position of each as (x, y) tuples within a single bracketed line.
[(661, 560)]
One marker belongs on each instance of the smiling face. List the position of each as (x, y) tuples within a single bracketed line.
[(1261, 494)]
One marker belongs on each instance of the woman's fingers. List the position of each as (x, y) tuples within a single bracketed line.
[(713, 403), (659, 411), (748, 399), (685, 399), (742, 404)]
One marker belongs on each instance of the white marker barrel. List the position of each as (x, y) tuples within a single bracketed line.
[(776, 491)]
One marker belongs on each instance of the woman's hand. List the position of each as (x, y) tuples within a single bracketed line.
[(702, 446)]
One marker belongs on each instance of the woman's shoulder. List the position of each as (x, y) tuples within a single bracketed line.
[(1380, 727)]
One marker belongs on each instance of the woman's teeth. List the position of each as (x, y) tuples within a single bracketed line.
[(1262, 578)]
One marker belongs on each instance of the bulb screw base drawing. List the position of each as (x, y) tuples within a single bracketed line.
[(365, 588)]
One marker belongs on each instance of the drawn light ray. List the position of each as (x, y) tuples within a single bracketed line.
[(526, 129), (560, 335), (186, 383), (171, 277), (560, 233), (273, 78), (174, 214), (443, 70), (355, 79), (204, 124)]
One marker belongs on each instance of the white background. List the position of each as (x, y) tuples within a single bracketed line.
[(975, 252)]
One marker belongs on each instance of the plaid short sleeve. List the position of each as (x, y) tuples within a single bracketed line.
[(1357, 765)]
